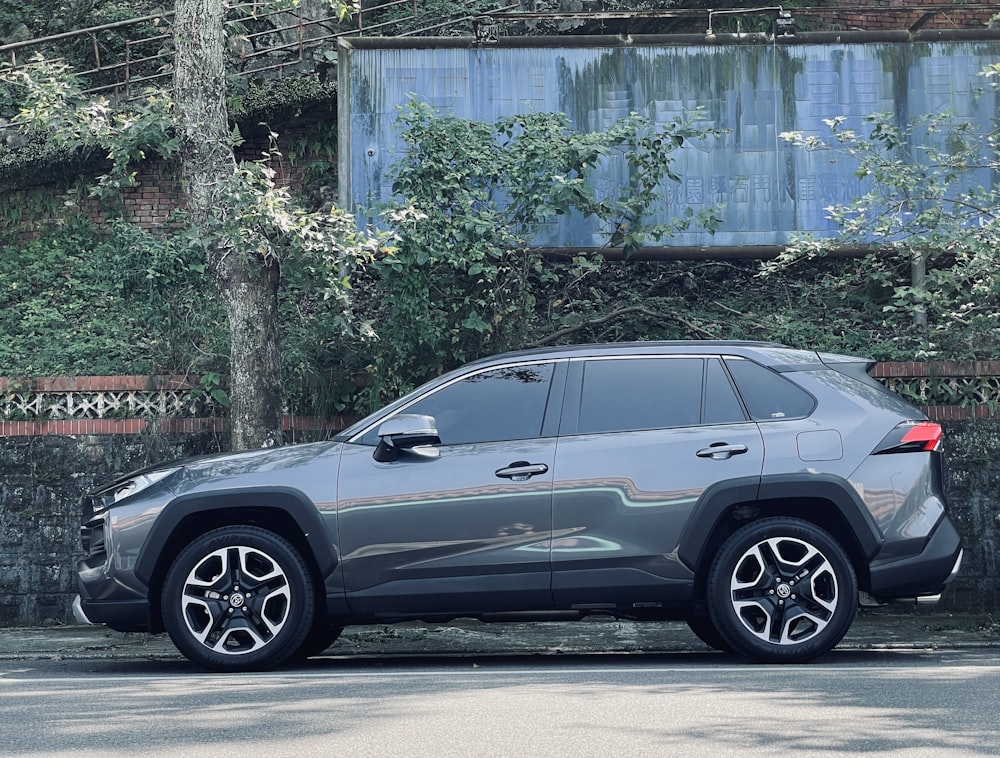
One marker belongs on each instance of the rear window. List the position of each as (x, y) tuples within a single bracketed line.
[(768, 395)]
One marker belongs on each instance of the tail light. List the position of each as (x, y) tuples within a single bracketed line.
[(913, 437)]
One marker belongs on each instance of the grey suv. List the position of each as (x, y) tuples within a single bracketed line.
[(755, 491)]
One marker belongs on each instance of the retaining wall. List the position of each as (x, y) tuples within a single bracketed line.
[(43, 477)]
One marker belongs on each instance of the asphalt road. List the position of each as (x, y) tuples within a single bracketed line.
[(891, 702)]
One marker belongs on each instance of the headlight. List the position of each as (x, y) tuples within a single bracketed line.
[(137, 484), (103, 499)]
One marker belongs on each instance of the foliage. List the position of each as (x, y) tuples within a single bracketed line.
[(47, 17), (263, 220), (461, 280), (270, 99), (82, 301), (639, 300), (150, 309), (929, 214), (91, 52), (431, 17), (471, 196), (260, 218), (57, 106)]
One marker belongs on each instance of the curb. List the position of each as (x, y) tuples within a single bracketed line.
[(463, 638)]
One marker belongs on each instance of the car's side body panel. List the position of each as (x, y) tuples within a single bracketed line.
[(446, 534), (621, 501)]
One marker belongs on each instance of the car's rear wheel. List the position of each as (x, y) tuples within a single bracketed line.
[(320, 637), (704, 629), (782, 590), (238, 598)]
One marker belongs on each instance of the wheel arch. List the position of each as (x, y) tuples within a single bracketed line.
[(827, 501), (282, 510)]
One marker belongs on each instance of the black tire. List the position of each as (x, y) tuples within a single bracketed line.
[(239, 598), (320, 637), (782, 590), (703, 628)]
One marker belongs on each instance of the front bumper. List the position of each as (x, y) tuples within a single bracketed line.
[(120, 615), (921, 577), (79, 614), (104, 600)]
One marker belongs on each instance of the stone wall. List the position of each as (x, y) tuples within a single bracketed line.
[(44, 476), (973, 484)]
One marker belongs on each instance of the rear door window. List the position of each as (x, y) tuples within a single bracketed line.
[(629, 394), (722, 404)]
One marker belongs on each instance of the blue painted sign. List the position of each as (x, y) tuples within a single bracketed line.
[(767, 189)]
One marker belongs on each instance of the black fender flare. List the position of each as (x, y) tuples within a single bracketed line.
[(291, 501), (716, 500)]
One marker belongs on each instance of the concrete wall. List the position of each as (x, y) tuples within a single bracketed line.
[(44, 476)]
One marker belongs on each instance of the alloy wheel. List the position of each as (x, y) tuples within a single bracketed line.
[(235, 600), (784, 590)]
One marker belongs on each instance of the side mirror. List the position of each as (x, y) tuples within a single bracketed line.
[(407, 432)]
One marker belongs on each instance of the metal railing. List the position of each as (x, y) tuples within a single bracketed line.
[(137, 53), (261, 44)]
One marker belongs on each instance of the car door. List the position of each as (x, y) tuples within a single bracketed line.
[(468, 530), (642, 438)]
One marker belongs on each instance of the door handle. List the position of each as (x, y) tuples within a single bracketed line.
[(721, 451), (520, 471)]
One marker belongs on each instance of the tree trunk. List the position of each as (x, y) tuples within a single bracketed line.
[(248, 283), (918, 280)]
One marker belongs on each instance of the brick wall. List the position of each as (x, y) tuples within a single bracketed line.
[(155, 196), (946, 390), (887, 15), (153, 199), (125, 405)]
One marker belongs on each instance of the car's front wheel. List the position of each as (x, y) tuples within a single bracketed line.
[(238, 598), (782, 590)]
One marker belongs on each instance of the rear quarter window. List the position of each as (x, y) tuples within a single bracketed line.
[(768, 395)]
